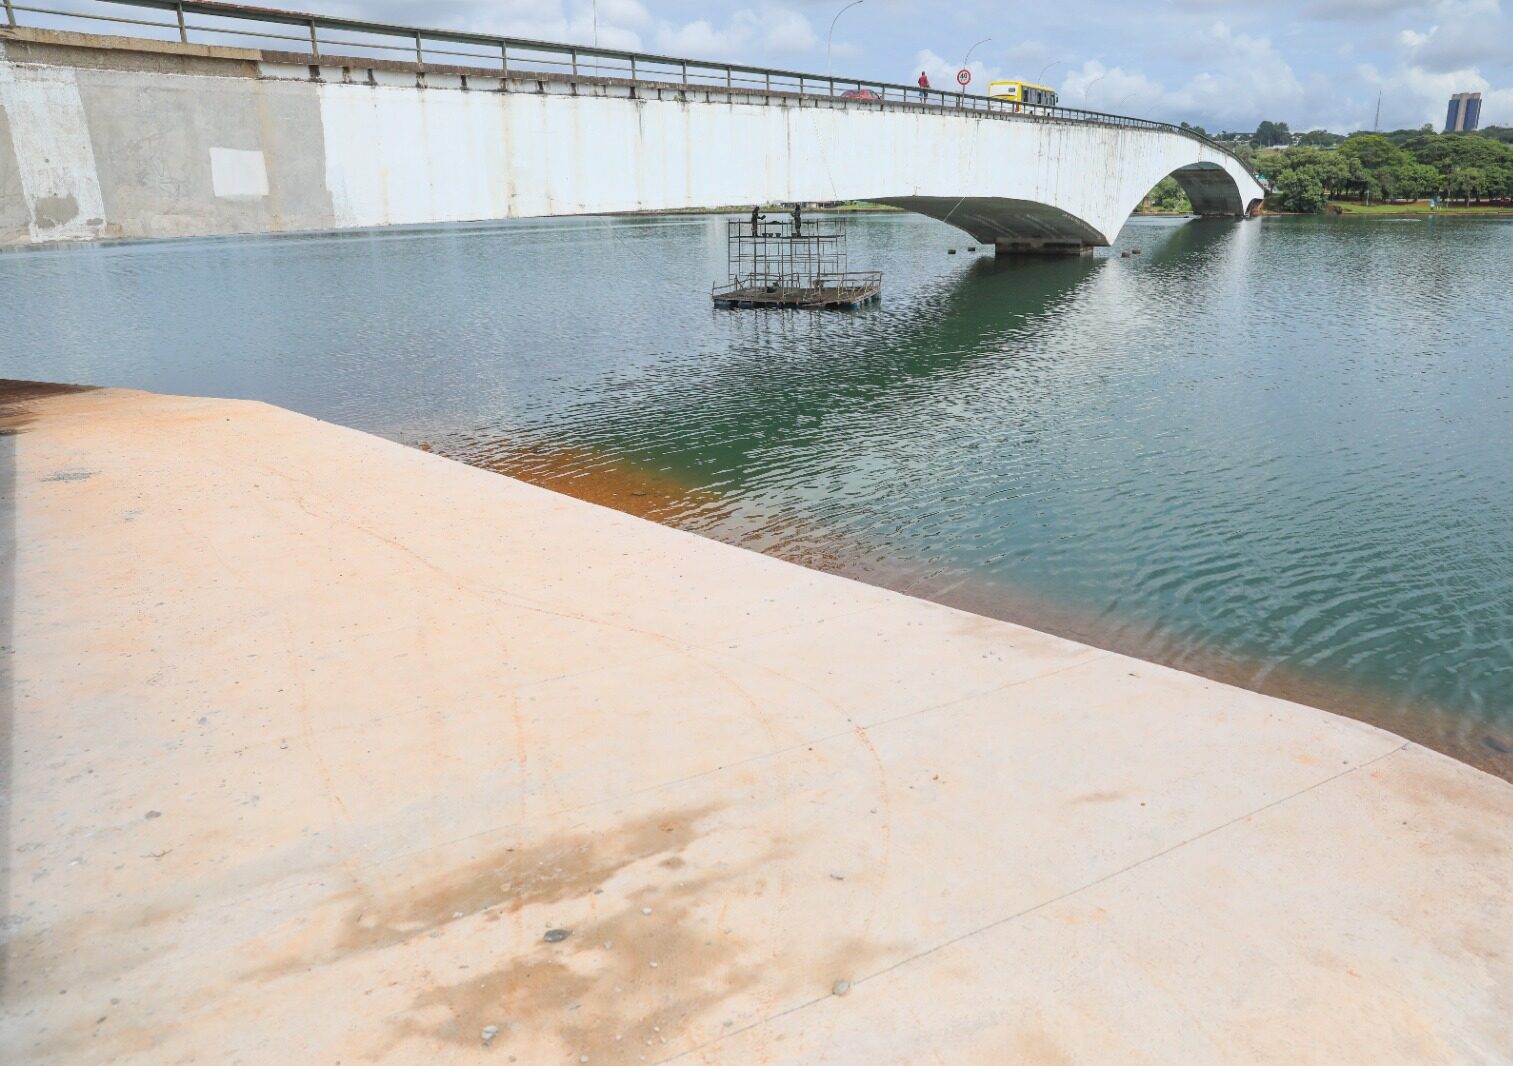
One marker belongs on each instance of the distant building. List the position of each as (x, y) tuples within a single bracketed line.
[(1464, 113)]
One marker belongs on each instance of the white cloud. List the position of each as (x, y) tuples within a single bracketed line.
[(1301, 61), (1468, 33), (700, 39), (1418, 95), (771, 29), (572, 21), (787, 31), (1355, 10), (1244, 80)]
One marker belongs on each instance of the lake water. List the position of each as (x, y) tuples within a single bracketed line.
[(1276, 452)]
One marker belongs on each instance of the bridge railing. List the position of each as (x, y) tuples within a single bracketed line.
[(323, 39)]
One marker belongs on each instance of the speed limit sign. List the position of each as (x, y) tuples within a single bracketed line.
[(963, 77)]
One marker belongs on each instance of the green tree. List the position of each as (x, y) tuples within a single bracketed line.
[(1411, 181), (1451, 151), (1271, 134), (1373, 150), (1245, 153), (1320, 139), (1335, 172), (1167, 198), (1500, 180), (1301, 191), (1468, 182)]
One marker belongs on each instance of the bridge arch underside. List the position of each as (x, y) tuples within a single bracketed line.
[(1212, 191), (1018, 226), (1009, 225)]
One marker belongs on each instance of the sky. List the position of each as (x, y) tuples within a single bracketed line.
[(1222, 65)]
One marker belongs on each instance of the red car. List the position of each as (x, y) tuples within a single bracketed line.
[(860, 94)]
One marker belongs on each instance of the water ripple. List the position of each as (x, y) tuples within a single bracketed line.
[(1262, 450)]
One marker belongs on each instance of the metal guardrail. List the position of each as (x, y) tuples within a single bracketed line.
[(343, 38)]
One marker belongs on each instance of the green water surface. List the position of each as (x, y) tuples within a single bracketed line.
[(1278, 448)]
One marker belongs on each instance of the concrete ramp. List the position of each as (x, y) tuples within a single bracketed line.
[(324, 749)]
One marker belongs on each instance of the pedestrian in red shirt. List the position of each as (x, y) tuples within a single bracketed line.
[(924, 86)]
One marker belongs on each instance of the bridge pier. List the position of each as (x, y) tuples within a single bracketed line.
[(1020, 246)]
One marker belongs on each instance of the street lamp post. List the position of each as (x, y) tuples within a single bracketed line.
[(968, 58), (829, 69), (1040, 78), (1087, 90)]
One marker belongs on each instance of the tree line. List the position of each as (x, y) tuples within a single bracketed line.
[(1307, 171)]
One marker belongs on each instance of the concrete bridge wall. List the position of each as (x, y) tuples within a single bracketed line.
[(108, 137)]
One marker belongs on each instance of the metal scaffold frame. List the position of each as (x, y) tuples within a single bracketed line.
[(792, 262)]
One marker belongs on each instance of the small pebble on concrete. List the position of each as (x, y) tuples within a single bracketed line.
[(841, 987), (554, 936), (489, 1032)]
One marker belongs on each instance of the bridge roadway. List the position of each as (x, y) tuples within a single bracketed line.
[(110, 137)]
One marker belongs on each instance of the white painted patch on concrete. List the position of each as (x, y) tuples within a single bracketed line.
[(237, 173), (53, 151)]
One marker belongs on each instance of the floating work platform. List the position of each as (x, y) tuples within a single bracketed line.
[(779, 262), (822, 293)]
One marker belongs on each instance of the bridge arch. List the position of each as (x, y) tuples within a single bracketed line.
[(1217, 188)]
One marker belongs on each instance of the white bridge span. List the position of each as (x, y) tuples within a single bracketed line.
[(109, 137)]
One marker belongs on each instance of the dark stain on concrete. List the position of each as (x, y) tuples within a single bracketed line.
[(16, 399), (49, 212), (651, 964)]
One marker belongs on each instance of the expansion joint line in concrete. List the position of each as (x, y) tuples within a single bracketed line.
[(809, 742), (1006, 919)]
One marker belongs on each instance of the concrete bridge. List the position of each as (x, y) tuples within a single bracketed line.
[(117, 137)]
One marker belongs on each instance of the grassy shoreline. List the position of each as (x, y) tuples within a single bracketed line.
[(1420, 208)]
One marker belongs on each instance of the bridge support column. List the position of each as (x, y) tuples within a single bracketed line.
[(1020, 246)]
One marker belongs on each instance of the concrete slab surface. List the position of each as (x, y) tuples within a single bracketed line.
[(314, 738)]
